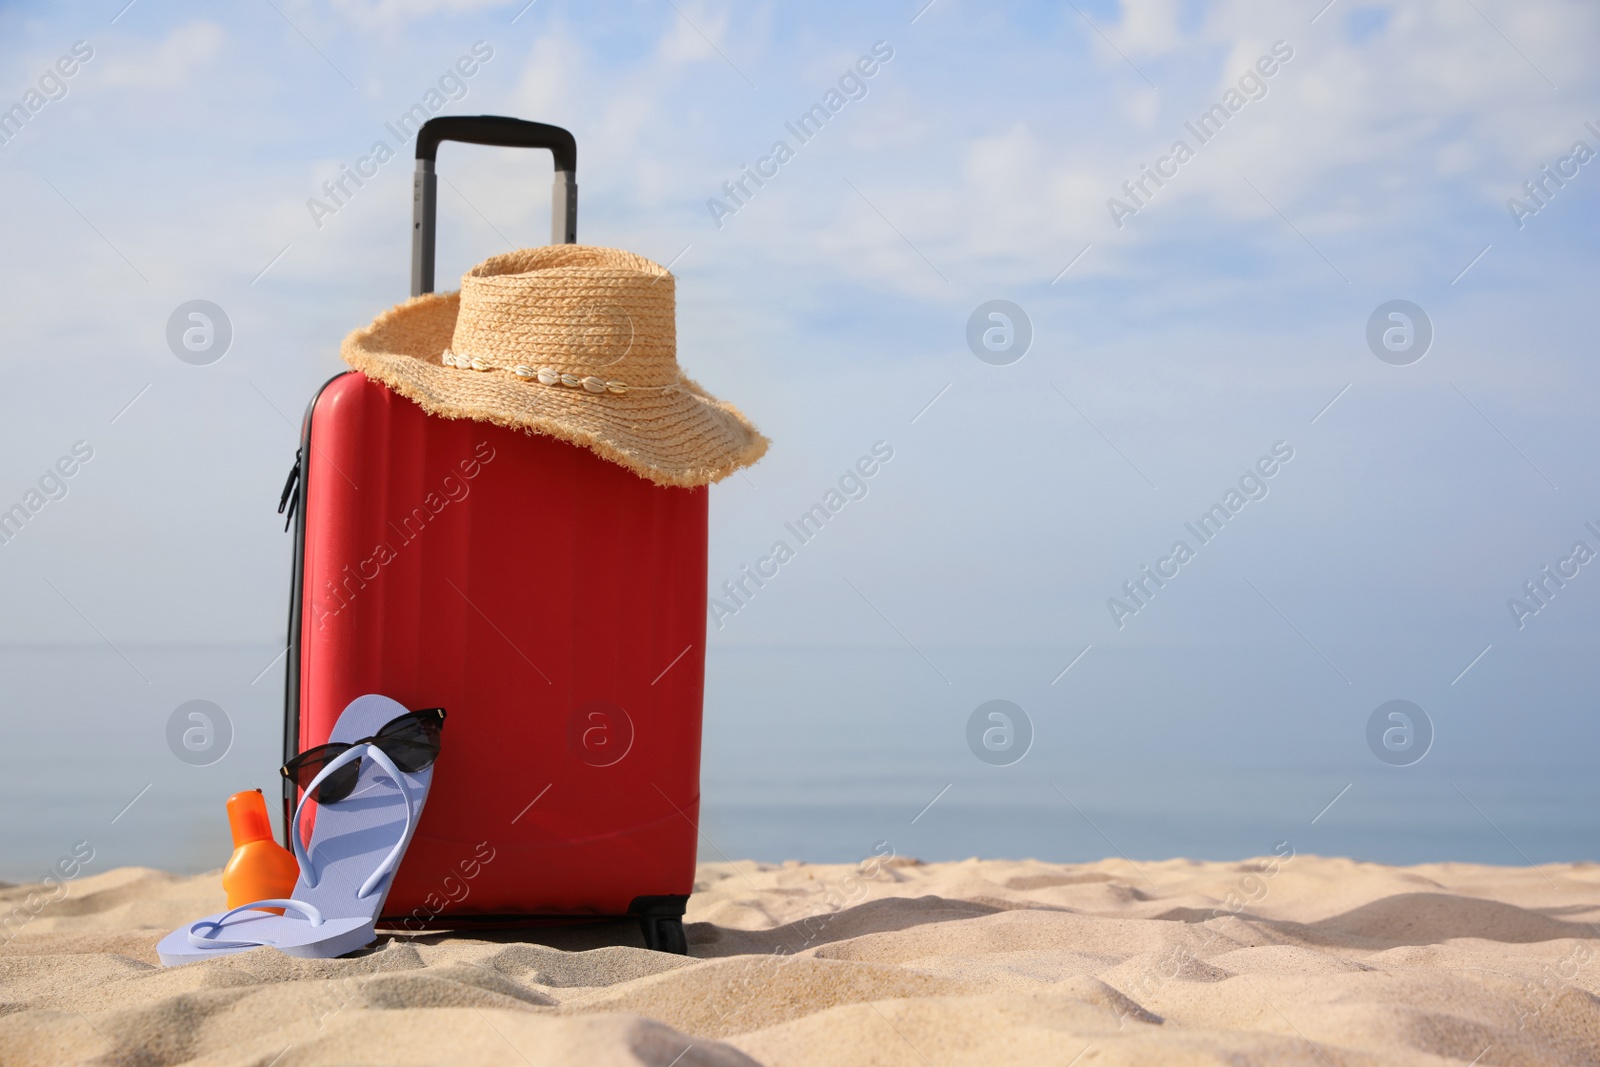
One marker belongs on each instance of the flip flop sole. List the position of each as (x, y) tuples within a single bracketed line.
[(287, 934), (328, 947)]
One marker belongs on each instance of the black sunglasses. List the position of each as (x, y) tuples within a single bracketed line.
[(411, 741)]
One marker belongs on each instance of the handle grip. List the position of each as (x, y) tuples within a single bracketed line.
[(489, 130)]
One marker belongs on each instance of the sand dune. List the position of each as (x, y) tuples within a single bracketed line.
[(1285, 960)]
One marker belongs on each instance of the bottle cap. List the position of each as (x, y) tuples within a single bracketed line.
[(247, 817)]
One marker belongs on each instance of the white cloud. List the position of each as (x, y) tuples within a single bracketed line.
[(170, 63), (395, 14), (692, 35), (1428, 116), (1141, 107), (1147, 26)]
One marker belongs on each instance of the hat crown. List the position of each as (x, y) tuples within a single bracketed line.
[(571, 341), (576, 309)]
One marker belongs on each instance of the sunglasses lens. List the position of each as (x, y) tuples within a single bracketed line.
[(411, 741), (337, 785)]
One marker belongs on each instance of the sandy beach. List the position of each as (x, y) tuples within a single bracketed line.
[(1287, 959)]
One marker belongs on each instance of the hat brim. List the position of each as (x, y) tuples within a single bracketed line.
[(680, 436)]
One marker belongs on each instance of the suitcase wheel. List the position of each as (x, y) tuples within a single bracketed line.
[(664, 933), (661, 922)]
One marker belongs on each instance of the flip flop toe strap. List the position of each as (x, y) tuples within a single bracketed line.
[(209, 940), (386, 868)]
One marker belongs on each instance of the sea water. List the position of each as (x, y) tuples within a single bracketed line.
[(825, 754)]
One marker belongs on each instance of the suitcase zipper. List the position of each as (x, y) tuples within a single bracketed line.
[(290, 498), (296, 486)]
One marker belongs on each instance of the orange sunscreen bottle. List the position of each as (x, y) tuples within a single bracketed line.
[(260, 869)]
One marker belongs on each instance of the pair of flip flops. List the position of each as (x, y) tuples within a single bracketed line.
[(346, 870)]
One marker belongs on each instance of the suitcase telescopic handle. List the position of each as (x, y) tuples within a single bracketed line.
[(490, 130)]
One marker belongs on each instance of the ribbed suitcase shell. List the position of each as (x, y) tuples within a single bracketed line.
[(553, 603)]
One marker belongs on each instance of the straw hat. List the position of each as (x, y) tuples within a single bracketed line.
[(569, 340)]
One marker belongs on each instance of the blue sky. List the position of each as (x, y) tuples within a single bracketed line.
[(1220, 318)]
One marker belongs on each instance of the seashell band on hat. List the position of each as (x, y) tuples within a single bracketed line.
[(543, 375), (572, 341)]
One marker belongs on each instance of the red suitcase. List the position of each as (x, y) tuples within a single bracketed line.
[(552, 602)]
